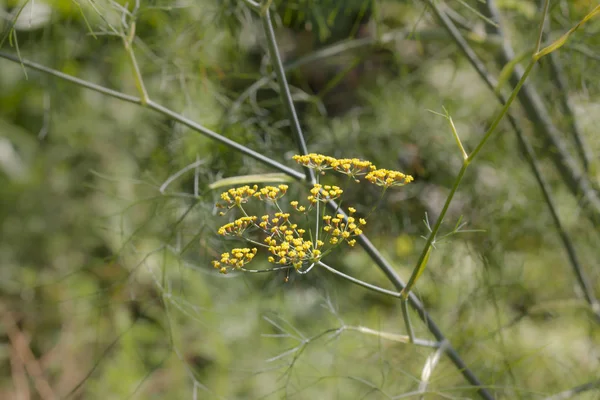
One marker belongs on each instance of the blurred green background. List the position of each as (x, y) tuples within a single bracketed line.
[(106, 287)]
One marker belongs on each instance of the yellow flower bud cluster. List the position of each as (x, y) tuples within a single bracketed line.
[(338, 230), (237, 227), (293, 250), (318, 162), (324, 193), (235, 259), (271, 192), (236, 196), (353, 167), (297, 207), (284, 240), (277, 224), (348, 166), (387, 178)]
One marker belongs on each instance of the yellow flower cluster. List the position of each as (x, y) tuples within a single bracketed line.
[(237, 227), (293, 251), (353, 167), (387, 178), (318, 162), (324, 193), (340, 230), (271, 192), (235, 259), (236, 196), (285, 241)]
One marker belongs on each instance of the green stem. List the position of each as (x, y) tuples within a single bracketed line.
[(193, 125), (254, 242), (421, 263), (284, 88), (358, 282), (393, 336), (541, 27), (137, 74), (406, 317), (456, 137)]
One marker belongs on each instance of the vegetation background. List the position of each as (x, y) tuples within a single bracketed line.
[(106, 288)]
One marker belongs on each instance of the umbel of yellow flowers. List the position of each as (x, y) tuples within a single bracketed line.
[(285, 241)]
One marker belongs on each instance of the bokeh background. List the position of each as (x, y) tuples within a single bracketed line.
[(106, 286)]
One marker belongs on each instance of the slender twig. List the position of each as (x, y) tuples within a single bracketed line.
[(160, 109), (541, 27), (359, 282), (284, 89), (393, 336), (137, 74), (406, 318), (182, 171)]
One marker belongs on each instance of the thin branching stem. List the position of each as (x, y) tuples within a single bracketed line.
[(583, 280), (284, 89), (358, 282), (457, 138), (577, 182), (393, 336), (421, 262), (406, 318), (538, 44), (490, 81), (137, 74), (416, 305)]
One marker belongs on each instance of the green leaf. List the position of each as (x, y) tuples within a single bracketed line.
[(246, 179)]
